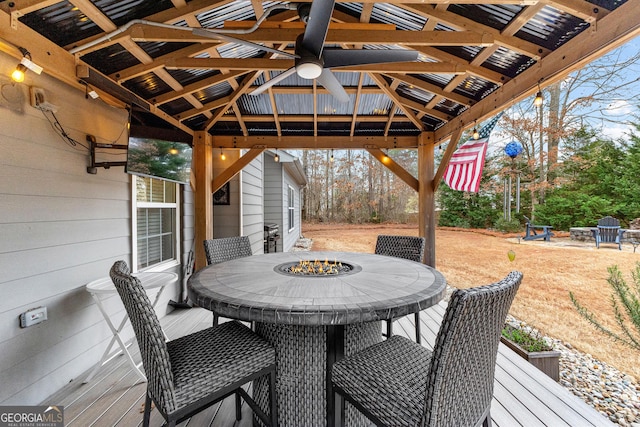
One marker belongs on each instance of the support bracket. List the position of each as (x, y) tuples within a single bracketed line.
[(93, 167)]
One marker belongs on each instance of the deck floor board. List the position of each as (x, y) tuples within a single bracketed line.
[(523, 395)]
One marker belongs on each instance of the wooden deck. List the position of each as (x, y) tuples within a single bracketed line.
[(523, 395)]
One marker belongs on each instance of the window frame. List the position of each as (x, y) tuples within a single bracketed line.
[(135, 205), (291, 208)]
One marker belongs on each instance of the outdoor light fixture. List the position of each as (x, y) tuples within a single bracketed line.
[(537, 101), (222, 156), (476, 134), (276, 158), (18, 73), (25, 63)]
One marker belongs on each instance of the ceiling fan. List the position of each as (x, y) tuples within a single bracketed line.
[(312, 61)]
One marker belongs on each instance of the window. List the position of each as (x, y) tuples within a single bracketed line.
[(155, 222), (292, 198)]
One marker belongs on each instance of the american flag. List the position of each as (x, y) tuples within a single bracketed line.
[(465, 167)]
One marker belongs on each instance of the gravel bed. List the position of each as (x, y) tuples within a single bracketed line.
[(611, 392)]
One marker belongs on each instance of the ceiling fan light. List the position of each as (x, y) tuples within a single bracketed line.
[(309, 70)]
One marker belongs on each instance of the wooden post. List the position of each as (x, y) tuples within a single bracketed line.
[(426, 196), (203, 197)]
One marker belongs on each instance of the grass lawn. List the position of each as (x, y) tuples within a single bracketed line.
[(551, 269)]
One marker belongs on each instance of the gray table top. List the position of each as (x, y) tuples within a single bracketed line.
[(251, 289)]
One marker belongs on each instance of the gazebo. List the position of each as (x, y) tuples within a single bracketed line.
[(195, 65)]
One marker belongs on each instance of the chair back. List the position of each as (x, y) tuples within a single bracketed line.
[(153, 348), (608, 230), (461, 375), (227, 248), (407, 247)]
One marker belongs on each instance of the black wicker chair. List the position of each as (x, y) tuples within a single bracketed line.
[(188, 374), (225, 249), (407, 247), (400, 383)]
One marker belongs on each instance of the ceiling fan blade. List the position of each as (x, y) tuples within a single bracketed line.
[(277, 79), (317, 26), (344, 57), (203, 32), (331, 83)]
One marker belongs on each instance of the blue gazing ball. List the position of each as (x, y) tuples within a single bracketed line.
[(512, 149)]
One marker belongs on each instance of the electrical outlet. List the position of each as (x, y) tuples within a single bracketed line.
[(39, 100), (33, 316)]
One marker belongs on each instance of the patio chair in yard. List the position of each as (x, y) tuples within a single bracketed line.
[(191, 373), (225, 249), (400, 383), (608, 231), (407, 247)]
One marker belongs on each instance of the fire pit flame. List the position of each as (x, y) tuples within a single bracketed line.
[(316, 268)]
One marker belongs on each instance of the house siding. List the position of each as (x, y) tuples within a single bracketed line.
[(273, 183), (60, 228), (252, 203), (290, 236)]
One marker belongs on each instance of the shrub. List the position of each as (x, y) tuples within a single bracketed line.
[(626, 308)]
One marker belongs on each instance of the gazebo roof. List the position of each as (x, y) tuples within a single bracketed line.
[(474, 59)]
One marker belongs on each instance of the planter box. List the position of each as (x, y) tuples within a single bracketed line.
[(547, 361)]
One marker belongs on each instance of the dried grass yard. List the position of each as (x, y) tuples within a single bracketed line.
[(551, 269)]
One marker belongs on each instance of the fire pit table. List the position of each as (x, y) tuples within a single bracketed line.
[(314, 317)]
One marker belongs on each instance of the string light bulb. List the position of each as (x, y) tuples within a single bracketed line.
[(18, 74), (276, 158), (222, 155), (25, 63), (173, 151), (476, 134), (537, 101)]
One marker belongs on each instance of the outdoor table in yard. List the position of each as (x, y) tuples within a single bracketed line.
[(313, 320)]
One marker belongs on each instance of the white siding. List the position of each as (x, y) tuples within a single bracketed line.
[(60, 228), (252, 204), (289, 237), (273, 183)]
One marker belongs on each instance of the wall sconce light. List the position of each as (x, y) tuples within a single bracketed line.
[(476, 134), (331, 158), (222, 156), (25, 63), (276, 158), (537, 101)]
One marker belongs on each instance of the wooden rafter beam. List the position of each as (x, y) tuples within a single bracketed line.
[(396, 98), (235, 167), (341, 142), (308, 118), (143, 32), (615, 29), (428, 87), (285, 64), (394, 167), (515, 44)]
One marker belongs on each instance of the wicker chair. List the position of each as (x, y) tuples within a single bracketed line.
[(188, 374), (407, 247), (225, 249), (400, 383)]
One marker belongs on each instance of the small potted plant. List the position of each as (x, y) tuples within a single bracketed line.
[(534, 349)]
